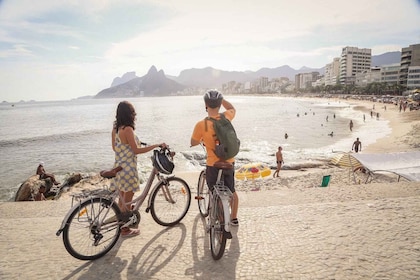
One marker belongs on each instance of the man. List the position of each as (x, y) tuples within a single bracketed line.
[(357, 145), (204, 132), (279, 161)]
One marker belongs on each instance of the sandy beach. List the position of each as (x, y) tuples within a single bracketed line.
[(290, 228)]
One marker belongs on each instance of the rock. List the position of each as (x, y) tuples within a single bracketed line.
[(54, 192), (30, 188)]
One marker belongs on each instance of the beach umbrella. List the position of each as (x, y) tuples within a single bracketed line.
[(252, 171), (346, 160)]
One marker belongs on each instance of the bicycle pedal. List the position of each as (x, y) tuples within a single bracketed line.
[(228, 235)]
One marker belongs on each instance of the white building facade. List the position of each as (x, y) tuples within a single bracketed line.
[(352, 61)]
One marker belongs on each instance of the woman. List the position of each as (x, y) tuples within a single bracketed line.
[(126, 146)]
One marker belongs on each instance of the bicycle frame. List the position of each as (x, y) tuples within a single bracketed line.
[(116, 194), (225, 195)]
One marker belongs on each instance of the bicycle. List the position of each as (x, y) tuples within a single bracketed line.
[(93, 225), (215, 205)]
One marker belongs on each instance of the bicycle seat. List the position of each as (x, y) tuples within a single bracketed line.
[(223, 165), (110, 173)]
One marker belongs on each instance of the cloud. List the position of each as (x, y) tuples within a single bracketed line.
[(94, 41)]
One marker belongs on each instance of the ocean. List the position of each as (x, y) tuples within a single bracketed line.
[(75, 136)]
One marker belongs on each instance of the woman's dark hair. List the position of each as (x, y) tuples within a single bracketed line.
[(126, 114)]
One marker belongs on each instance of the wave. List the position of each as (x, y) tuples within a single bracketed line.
[(51, 138)]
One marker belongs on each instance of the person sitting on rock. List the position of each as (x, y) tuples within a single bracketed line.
[(44, 175)]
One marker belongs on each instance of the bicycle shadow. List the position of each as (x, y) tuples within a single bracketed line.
[(157, 253), (108, 265), (204, 265)]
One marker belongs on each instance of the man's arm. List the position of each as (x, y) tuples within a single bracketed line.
[(227, 105), (194, 142)]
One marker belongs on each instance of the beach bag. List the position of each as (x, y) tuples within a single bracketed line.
[(227, 142)]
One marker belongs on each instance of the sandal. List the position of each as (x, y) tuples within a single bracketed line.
[(234, 222), (130, 232)]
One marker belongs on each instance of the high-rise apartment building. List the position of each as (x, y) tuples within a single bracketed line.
[(410, 57), (353, 60), (332, 71)]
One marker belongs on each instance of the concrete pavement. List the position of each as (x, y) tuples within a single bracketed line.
[(316, 233)]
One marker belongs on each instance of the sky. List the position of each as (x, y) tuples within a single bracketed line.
[(60, 50)]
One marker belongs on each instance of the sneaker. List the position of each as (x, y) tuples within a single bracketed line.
[(234, 222)]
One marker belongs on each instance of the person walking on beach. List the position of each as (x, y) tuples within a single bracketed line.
[(44, 175), (279, 161), (204, 133), (351, 125), (357, 145), (126, 146)]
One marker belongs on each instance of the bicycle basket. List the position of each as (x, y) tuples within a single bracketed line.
[(162, 161)]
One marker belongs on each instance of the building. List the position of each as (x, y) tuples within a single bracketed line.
[(304, 80), (390, 73), (368, 77), (353, 60), (413, 77), (332, 71), (410, 57)]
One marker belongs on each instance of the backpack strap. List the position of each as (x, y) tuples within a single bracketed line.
[(212, 120)]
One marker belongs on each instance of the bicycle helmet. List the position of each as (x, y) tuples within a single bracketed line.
[(162, 161), (213, 98)]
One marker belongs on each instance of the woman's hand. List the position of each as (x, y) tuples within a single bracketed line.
[(162, 146)]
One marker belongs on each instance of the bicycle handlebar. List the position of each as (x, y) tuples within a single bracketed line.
[(172, 153)]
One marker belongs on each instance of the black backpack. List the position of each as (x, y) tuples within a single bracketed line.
[(228, 145)]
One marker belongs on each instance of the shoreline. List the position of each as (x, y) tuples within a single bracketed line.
[(404, 136), (405, 126)]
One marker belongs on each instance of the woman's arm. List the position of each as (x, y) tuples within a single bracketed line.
[(127, 133)]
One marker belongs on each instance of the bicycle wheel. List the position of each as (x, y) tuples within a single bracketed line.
[(170, 201), (217, 232), (92, 229), (203, 194)]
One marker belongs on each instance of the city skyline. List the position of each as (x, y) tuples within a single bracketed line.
[(60, 51)]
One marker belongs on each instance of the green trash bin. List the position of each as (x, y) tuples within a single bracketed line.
[(325, 181)]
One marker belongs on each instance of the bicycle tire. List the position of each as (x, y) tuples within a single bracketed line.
[(169, 212), (203, 194), (81, 236), (217, 232)]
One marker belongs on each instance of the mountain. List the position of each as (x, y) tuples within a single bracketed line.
[(125, 78), (209, 77), (157, 84), (154, 83), (386, 58)]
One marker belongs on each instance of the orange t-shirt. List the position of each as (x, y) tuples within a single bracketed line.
[(209, 136)]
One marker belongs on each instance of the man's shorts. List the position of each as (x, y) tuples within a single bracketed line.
[(229, 177)]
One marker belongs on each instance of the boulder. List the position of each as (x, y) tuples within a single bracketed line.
[(30, 188)]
